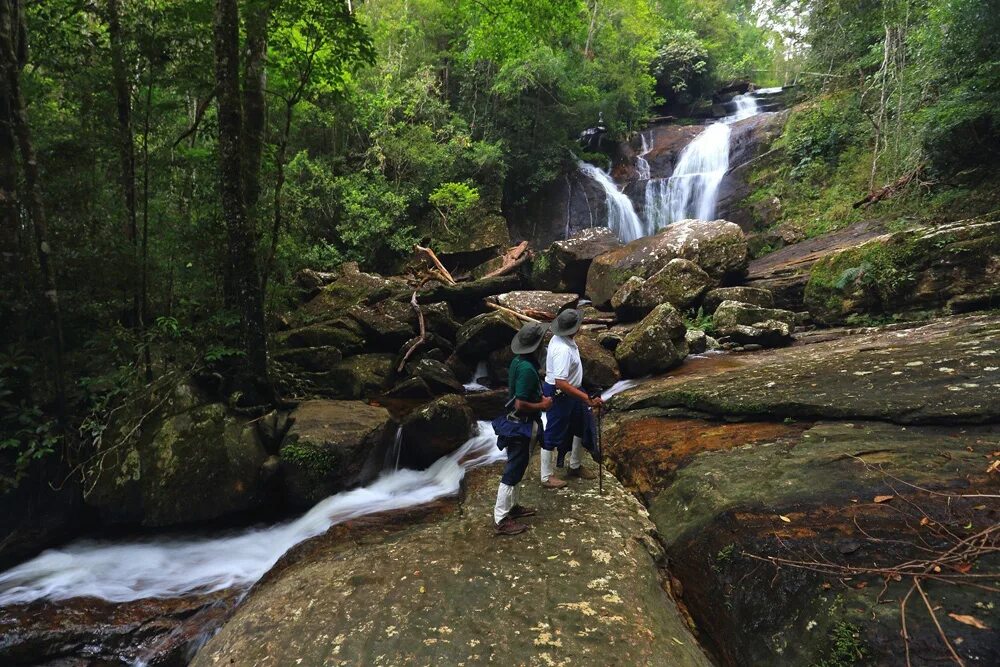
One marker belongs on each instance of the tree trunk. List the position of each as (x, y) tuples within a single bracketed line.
[(126, 148), (144, 259), (13, 53), (239, 230), (254, 101)]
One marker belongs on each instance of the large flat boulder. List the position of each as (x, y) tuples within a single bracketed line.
[(817, 481), (343, 333), (563, 266), (748, 324), (350, 288), (186, 462), (953, 267), (785, 272), (538, 301), (332, 446), (717, 246), (438, 590), (879, 374)]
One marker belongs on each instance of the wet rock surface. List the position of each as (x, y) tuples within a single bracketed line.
[(92, 632), (538, 301), (881, 374), (795, 532), (435, 430), (655, 345), (580, 587)]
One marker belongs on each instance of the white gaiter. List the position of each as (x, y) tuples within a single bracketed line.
[(505, 500)]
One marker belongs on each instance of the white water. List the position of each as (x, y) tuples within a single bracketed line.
[(164, 568), (693, 189), (641, 166), (481, 372), (622, 218)]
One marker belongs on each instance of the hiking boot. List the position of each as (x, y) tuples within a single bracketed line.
[(553, 482), (581, 473), (508, 526), (520, 511)]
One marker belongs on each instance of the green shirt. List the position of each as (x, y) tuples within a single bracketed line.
[(522, 377)]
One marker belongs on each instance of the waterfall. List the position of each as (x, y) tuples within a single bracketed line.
[(392, 454), (693, 189), (167, 567), (622, 219)]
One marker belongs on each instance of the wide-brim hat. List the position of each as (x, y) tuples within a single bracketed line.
[(528, 338), (567, 322)]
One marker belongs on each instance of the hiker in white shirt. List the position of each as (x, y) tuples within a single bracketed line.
[(569, 420)]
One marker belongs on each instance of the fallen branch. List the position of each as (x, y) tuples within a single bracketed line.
[(423, 333), (437, 263), (512, 259), (888, 190), (519, 315)]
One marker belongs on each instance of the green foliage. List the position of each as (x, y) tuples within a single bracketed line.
[(817, 135), (700, 320), (681, 63), (846, 647), (27, 435)]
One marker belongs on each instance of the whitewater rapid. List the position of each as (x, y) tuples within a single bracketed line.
[(123, 571)]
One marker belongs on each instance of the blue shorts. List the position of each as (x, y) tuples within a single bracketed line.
[(568, 417)]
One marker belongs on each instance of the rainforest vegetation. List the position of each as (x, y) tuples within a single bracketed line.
[(168, 165)]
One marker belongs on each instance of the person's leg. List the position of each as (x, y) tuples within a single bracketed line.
[(519, 459), (556, 430), (576, 454), (517, 462)]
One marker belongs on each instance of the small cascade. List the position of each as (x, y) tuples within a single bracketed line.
[(622, 218), (641, 165), (392, 454), (166, 567), (481, 373)]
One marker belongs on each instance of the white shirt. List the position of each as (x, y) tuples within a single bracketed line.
[(562, 362)]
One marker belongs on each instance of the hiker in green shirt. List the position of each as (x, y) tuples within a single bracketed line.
[(518, 430)]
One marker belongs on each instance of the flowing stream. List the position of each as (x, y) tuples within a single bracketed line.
[(692, 191), (164, 568)]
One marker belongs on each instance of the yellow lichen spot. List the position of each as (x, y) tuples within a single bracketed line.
[(601, 556)]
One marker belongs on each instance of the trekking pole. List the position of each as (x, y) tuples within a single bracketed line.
[(600, 451)]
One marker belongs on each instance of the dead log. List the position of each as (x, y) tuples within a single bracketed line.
[(519, 315), (437, 263), (423, 333), (512, 259), (889, 190)]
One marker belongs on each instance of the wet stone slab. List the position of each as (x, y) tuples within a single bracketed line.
[(581, 587)]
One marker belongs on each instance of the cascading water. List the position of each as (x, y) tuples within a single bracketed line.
[(165, 568), (641, 165), (622, 218), (481, 373), (691, 192), (693, 189)]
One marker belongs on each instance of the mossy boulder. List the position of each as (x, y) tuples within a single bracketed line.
[(333, 446), (655, 345), (438, 376), (600, 369), (383, 330), (343, 333), (680, 283), (435, 430), (484, 333), (191, 462), (953, 267), (563, 266), (317, 359), (361, 376), (488, 233), (755, 296), (747, 324), (717, 246), (351, 287)]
